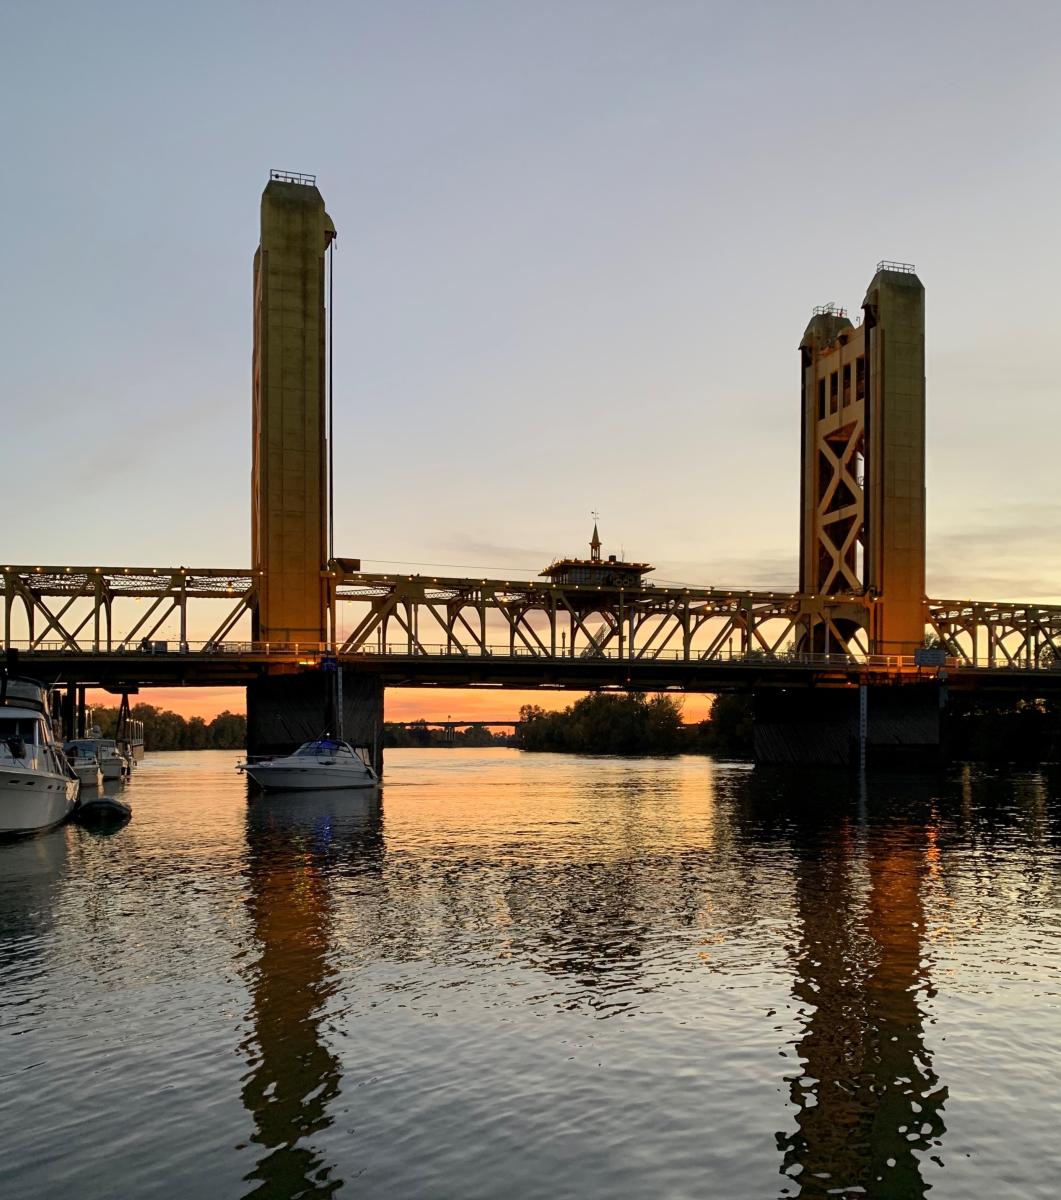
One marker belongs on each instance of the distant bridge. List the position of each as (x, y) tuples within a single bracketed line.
[(423, 723)]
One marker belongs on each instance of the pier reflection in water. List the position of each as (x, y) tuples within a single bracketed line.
[(295, 843), (537, 976), (868, 1102)]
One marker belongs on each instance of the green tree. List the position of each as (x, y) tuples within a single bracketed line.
[(728, 731), (228, 731), (605, 723), (165, 730)]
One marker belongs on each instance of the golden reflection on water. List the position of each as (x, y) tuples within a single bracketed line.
[(868, 1101), (624, 851), (294, 1076), (737, 966)]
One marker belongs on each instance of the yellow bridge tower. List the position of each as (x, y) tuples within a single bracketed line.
[(862, 524), (289, 497)]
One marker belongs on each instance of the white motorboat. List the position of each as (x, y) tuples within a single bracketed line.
[(324, 764), (37, 787), (81, 755), (112, 763)]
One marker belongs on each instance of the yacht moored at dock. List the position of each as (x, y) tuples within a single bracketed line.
[(38, 788), (113, 764), (84, 761)]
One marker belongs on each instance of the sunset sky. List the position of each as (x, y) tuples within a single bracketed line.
[(578, 244)]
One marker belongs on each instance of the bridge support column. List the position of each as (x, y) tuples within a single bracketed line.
[(285, 710), (70, 713), (820, 726)]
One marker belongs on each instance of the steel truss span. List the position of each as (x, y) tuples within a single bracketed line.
[(431, 625)]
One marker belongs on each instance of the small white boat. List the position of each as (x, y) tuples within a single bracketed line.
[(81, 755), (37, 787), (324, 764), (112, 763)]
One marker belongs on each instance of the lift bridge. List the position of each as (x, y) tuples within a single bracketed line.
[(859, 625)]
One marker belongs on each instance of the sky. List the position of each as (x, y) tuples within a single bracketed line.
[(578, 245)]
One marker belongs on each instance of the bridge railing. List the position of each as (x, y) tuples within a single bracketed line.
[(312, 653)]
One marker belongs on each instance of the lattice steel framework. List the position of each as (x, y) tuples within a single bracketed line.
[(862, 524), (417, 615), (102, 610)]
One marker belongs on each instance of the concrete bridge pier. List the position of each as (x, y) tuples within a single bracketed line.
[(285, 710), (73, 713), (820, 727)]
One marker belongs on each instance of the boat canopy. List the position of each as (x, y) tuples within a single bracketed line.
[(321, 746)]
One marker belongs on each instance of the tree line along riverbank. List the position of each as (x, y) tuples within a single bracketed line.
[(976, 730), (165, 730), (631, 723), (984, 730)]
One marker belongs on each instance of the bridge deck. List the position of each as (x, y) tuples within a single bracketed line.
[(238, 665), (133, 625)]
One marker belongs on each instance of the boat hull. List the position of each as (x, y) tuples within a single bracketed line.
[(274, 777), (90, 776), (31, 801)]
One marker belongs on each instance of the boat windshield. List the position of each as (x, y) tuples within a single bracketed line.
[(24, 742), (321, 746), (24, 727)]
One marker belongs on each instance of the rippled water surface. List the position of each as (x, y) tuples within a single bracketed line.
[(538, 976)]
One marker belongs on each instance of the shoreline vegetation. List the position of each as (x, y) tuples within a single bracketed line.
[(993, 732), (165, 730), (635, 724)]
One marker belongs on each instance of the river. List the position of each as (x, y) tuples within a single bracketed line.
[(538, 976)]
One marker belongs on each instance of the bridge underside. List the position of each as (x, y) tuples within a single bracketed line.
[(243, 669)]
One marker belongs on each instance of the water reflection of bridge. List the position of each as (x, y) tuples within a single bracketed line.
[(869, 1105), (866, 1103), (294, 1075)]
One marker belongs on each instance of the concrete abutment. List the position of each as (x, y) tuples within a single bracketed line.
[(820, 727), (283, 711)]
